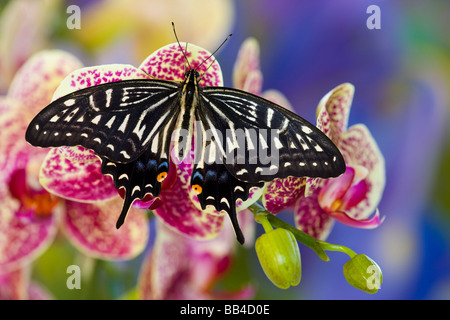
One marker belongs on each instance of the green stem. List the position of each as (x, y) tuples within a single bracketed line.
[(318, 246), (337, 247), (262, 219)]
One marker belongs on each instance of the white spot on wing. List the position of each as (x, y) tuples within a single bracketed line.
[(225, 200), (241, 172), (96, 119), (278, 143), (69, 102), (125, 154), (306, 130), (123, 126), (108, 97), (110, 122), (136, 188)]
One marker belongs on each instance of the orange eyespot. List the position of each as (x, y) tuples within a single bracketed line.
[(161, 176), (197, 189)]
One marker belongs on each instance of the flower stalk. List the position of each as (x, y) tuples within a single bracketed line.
[(360, 271)]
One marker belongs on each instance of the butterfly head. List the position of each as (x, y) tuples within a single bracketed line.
[(191, 76)]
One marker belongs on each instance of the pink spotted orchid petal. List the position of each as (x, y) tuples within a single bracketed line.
[(246, 63), (78, 154), (161, 268), (253, 82), (169, 63), (182, 268), (22, 238), (278, 98), (36, 81), (92, 76), (16, 285), (332, 119), (283, 193), (359, 148), (369, 223), (13, 285), (14, 150), (92, 229), (311, 218), (334, 109), (75, 180)]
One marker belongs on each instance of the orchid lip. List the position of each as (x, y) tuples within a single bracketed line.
[(369, 223), (334, 189), (346, 191), (34, 203)]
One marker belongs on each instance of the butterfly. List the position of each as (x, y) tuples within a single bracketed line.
[(242, 141)]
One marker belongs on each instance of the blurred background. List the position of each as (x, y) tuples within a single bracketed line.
[(401, 73)]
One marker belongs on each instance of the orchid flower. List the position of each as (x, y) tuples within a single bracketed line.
[(350, 198), (179, 267), (74, 172), (30, 216)]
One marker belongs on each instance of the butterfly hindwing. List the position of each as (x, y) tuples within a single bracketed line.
[(217, 187), (138, 178), (263, 141), (116, 120)]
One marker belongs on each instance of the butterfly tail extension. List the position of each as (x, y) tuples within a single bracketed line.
[(139, 178), (234, 221), (215, 186), (126, 207)]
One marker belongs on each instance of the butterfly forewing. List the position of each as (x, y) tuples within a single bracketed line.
[(116, 120), (263, 141)]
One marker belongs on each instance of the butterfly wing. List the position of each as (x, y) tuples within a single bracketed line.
[(213, 182), (128, 124), (262, 141)]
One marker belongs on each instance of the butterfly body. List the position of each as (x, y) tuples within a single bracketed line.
[(241, 140)]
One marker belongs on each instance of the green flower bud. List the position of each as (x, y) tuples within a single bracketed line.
[(279, 256), (363, 273)]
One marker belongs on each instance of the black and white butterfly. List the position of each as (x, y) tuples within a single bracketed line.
[(132, 125)]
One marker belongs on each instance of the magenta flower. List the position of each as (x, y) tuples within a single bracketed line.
[(350, 198), (30, 216), (179, 267)]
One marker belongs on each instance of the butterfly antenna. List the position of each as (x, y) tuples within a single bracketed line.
[(206, 71), (214, 52), (184, 53)]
